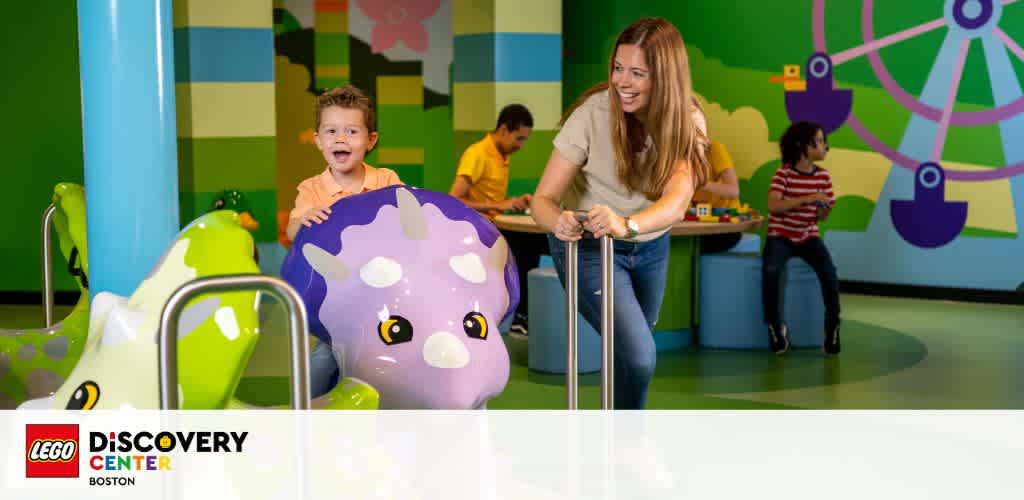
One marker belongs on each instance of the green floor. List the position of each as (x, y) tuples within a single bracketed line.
[(897, 353)]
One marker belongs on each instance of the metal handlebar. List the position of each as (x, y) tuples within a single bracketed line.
[(607, 325), (47, 255), (168, 334)]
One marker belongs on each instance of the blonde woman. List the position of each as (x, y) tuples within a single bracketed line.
[(631, 152)]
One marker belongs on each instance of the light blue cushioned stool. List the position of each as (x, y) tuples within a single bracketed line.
[(803, 309), (749, 242), (730, 301), (545, 261), (546, 341)]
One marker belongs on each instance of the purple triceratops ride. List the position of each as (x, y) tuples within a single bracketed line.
[(409, 286)]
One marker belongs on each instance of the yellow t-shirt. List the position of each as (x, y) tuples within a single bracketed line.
[(487, 171), (720, 162)]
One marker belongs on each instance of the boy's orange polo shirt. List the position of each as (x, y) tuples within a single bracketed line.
[(321, 190)]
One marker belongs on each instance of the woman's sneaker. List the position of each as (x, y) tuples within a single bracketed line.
[(779, 340), (832, 344)]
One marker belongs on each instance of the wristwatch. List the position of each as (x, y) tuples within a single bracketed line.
[(632, 228)]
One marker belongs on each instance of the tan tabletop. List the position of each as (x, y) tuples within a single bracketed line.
[(526, 224)]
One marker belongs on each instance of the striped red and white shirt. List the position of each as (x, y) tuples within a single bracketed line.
[(799, 224)]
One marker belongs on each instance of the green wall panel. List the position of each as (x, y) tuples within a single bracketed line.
[(41, 131), (245, 163)]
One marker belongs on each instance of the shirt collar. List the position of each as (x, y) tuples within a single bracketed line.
[(332, 187), (492, 148), (792, 166)]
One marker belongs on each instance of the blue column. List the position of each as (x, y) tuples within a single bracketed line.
[(129, 136)]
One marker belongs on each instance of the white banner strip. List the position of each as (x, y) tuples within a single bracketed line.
[(511, 454)]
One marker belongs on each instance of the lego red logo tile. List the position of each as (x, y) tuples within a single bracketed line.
[(51, 450)]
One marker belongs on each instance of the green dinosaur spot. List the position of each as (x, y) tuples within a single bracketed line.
[(34, 362)]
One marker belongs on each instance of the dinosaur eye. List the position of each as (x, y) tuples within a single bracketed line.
[(475, 325), (395, 330), (85, 397)]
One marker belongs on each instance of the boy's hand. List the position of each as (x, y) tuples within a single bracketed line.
[(517, 204), (821, 198), (315, 214), (823, 210)]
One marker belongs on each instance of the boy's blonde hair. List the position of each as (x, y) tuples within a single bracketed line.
[(347, 97)]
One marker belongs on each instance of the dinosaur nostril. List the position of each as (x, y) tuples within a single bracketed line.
[(444, 350)]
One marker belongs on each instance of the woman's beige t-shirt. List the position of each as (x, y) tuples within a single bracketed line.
[(586, 140)]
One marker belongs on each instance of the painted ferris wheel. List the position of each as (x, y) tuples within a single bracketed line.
[(912, 214)]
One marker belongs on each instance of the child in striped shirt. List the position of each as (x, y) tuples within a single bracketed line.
[(800, 196)]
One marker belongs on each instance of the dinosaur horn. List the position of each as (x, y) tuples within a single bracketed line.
[(327, 265), (497, 256), (414, 223)]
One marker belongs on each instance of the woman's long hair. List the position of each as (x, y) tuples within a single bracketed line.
[(676, 136)]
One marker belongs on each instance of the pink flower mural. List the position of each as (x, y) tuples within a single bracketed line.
[(399, 21)]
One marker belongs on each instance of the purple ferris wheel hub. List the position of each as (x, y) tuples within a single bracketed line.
[(972, 14)]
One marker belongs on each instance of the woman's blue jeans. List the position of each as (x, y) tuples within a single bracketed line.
[(639, 287)]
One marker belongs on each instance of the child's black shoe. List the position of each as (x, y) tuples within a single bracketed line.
[(519, 326), (832, 344), (778, 339)]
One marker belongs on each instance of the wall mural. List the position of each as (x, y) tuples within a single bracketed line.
[(913, 205), (926, 172)]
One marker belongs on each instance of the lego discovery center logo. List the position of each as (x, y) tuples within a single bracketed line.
[(53, 451)]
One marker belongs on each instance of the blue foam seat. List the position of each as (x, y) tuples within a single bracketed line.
[(730, 303), (749, 242), (803, 309), (546, 341)]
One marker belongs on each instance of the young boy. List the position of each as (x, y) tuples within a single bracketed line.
[(346, 129), (800, 196)]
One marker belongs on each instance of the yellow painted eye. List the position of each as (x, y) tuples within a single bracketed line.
[(395, 330), (475, 325), (85, 396)]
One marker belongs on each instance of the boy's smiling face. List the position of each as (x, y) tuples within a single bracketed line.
[(343, 138)]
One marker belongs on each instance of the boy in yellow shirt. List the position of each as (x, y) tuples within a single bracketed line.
[(721, 191), (481, 182)]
